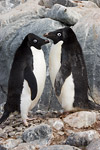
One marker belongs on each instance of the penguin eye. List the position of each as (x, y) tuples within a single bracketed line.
[(35, 41), (59, 34)]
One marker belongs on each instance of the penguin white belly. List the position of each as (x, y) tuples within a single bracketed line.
[(39, 72), (40, 75), (54, 60), (66, 97)]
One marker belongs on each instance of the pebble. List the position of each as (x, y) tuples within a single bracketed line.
[(56, 123)]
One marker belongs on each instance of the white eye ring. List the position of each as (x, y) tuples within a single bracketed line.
[(35, 41), (59, 34)]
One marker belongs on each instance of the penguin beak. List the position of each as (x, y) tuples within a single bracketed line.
[(46, 41), (45, 35)]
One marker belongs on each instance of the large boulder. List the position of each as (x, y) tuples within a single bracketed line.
[(68, 15), (88, 33)]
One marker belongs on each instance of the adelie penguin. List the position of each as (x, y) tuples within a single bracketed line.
[(27, 78), (68, 71)]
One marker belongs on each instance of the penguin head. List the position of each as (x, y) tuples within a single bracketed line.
[(65, 34), (35, 41)]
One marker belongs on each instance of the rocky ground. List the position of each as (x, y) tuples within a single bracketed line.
[(71, 131)]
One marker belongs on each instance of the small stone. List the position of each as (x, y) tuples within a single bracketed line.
[(81, 119), (79, 139), (8, 129), (56, 123), (60, 133), (3, 135), (11, 133), (19, 128)]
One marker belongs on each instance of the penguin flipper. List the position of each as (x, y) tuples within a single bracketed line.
[(30, 78), (63, 73)]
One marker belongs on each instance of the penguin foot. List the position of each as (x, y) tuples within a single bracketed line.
[(25, 123), (30, 119)]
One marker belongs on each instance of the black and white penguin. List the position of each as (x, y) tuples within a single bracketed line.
[(68, 71), (27, 77)]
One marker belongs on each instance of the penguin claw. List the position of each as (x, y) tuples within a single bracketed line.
[(28, 119)]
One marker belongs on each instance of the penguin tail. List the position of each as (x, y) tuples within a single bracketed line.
[(93, 106), (4, 117)]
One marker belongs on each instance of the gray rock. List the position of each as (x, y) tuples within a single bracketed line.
[(40, 135), (61, 13), (88, 33), (96, 1), (68, 15), (50, 3), (80, 139), (94, 145), (60, 147), (80, 119)]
